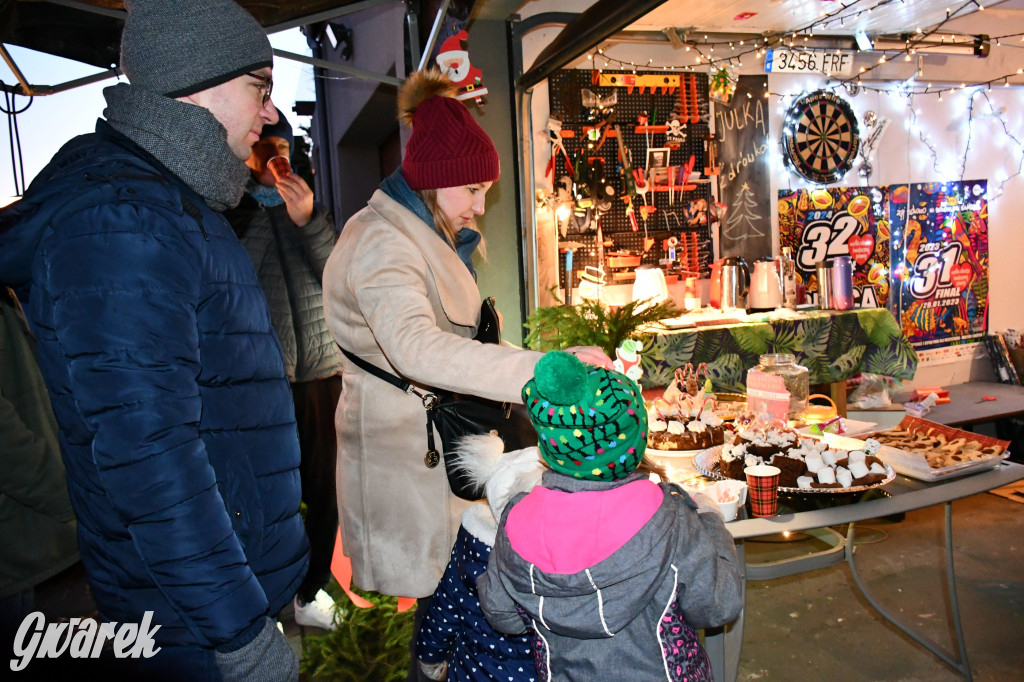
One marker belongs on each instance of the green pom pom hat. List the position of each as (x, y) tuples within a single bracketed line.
[(591, 421)]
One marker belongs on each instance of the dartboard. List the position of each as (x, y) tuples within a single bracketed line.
[(820, 138)]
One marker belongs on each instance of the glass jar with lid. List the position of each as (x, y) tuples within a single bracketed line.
[(796, 377)]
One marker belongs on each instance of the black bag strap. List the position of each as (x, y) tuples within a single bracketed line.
[(487, 332), (376, 371), (429, 401)]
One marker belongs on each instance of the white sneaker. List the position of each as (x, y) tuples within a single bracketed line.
[(317, 613)]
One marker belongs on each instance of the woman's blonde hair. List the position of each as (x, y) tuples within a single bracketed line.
[(429, 197)]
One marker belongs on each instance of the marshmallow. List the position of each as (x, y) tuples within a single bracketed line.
[(829, 457), (826, 475), (804, 482), (876, 468), (858, 469), (844, 476), (856, 456), (871, 446), (814, 463)]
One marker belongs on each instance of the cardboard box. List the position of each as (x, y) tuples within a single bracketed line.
[(1017, 356)]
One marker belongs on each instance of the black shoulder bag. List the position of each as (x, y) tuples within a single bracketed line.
[(456, 415)]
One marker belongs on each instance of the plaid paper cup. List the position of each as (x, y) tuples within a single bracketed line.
[(280, 166), (763, 485)]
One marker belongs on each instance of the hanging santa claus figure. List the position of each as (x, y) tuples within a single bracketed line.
[(454, 62)]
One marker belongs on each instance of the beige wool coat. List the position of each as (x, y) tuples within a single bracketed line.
[(399, 297)]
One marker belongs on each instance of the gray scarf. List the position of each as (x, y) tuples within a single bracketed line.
[(185, 138)]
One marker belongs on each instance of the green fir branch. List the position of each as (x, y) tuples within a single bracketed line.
[(369, 644), (592, 324)]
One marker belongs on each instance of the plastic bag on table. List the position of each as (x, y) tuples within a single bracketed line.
[(874, 391)]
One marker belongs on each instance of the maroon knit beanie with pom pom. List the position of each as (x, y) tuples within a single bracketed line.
[(448, 148)]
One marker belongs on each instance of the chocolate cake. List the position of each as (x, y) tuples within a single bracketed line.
[(808, 464)]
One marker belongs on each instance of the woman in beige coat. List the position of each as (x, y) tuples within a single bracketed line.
[(400, 293)]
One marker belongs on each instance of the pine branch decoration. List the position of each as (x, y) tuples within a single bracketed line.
[(591, 324)]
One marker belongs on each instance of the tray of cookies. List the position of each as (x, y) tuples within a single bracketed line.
[(929, 451)]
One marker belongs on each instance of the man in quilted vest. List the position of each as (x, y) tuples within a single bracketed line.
[(289, 240)]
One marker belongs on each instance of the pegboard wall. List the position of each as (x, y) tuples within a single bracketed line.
[(643, 108)]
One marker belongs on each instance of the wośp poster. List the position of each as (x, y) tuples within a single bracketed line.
[(823, 223), (940, 261)]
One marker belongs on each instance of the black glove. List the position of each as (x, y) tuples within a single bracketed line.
[(267, 658)]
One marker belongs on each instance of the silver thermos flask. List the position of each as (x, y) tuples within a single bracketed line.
[(842, 283), (824, 269)]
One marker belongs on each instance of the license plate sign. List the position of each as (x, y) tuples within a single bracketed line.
[(783, 60)]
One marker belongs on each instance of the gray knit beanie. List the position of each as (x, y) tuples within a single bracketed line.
[(179, 47)]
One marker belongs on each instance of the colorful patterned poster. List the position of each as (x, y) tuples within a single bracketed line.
[(823, 223), (940, 261)]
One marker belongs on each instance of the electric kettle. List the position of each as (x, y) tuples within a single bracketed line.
[(735, 283), (765, 286)]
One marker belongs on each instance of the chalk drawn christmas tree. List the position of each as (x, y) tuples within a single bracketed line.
[(742, 223)]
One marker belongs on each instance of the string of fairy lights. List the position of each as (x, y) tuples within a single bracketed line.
[(915, 45)]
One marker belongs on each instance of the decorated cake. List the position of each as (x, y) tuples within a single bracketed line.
[(685, 420), (803, 463)]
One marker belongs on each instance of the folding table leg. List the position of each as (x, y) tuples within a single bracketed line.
[(960, 663)]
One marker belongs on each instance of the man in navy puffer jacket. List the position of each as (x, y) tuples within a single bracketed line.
[(154, 338)]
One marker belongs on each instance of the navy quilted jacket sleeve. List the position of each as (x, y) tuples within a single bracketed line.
[(126, 324)]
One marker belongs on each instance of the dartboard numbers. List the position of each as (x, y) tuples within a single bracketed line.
[(821, 138)]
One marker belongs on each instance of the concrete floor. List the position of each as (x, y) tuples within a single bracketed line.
[(816, 626)]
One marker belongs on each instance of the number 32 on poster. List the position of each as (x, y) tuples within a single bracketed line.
[(823, 239)]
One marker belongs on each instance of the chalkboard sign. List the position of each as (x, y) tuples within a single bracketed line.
[(742, 125)]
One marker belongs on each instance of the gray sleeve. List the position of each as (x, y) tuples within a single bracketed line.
[(710, 577), (318, 238), (497, 604)]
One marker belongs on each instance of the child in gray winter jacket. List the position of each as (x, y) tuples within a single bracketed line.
[(611, 573)]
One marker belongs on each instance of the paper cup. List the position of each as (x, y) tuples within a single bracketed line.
[(728, 496), (738, 487), (280, 166), (763, 483), (728, 509)]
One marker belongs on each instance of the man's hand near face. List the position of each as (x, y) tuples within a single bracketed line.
[(298, 198)]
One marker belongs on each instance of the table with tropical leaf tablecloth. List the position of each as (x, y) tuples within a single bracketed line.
[(832, 345)]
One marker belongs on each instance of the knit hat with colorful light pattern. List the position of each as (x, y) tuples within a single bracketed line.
[(591, 421)]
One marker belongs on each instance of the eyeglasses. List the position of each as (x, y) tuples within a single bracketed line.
[(267, 87)]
